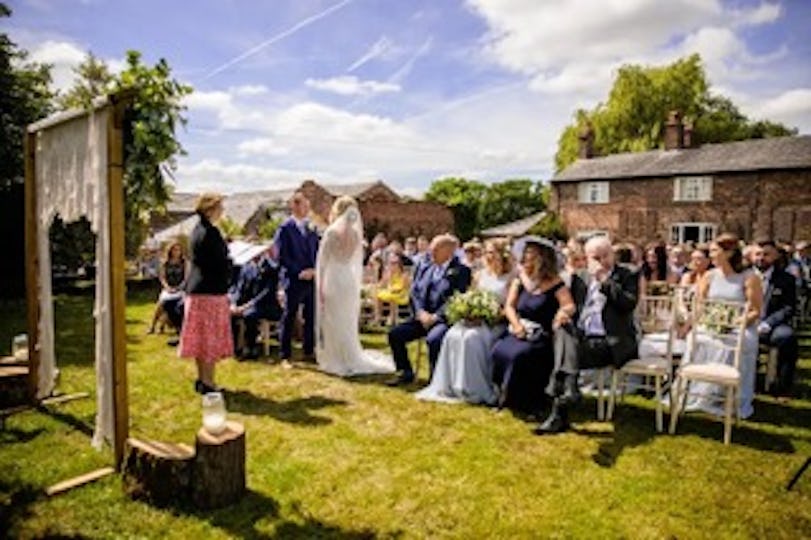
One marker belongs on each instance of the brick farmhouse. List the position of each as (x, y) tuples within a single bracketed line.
[(756, 188), (381, 207)]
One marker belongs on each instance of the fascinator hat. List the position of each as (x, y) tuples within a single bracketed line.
[(521, 244)]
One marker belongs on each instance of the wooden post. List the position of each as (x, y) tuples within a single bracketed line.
[(118, 293), (31, 262)]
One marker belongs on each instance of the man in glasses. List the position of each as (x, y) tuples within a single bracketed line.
[(296, 243)]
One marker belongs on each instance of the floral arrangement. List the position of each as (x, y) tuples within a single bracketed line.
[(719, 318), (474, 306)]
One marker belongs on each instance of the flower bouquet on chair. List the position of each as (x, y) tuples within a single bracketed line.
[(473, 308)]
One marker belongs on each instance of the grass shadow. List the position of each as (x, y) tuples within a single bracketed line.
[(82, 426), (16, 499), (241, 520), (295, 411), (16, 436)]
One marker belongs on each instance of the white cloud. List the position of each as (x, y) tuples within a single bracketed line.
[(792, 108), (570, 47), (249, 90), (63, 56), (763, 14), (263, 146), (213, 174), (349, 85)]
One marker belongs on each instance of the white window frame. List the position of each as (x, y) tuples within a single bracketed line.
[(591, 233), (706, 231), (593, 192), (692, 189)]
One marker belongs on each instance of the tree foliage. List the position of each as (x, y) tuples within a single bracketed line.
[(462, 196), (151, 144), (267, 230), (507, 201), (632, 118), (229, 227), (25, 97), (476, 205)]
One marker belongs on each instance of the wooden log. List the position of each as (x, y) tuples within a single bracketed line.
[(157, 472), (219, 467), (81, 480)]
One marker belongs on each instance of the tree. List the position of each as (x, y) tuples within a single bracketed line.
[(503, 202), (151, 146), (229, 227), (25, 97), (462, 197), (632, 119), (267, 230)]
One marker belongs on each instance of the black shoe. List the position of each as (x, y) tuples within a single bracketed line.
[(401, 380), (556, 422), (202, 388), (173, 341)]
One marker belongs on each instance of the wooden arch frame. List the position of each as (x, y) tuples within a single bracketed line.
[(116, 105)]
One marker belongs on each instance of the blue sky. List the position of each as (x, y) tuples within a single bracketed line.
[(409, 91)]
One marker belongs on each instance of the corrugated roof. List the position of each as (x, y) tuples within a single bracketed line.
[(515, 228), (750, 155)]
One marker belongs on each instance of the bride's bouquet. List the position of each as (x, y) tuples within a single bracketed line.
[(474, 307)]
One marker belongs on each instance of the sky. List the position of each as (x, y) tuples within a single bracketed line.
[(347, 91)]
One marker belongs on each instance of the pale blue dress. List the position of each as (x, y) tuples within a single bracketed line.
[(709, 397), (464, 368)]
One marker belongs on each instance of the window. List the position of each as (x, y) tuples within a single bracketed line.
[(585, 235), (593, 192), (692, 188), (700, 233)]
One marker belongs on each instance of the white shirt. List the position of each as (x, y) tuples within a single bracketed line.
[(439, 270), (591, 317)]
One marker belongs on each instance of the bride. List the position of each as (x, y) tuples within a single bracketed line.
[(339, 270)]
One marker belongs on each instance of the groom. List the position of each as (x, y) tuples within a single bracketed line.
[(296, 244), (434, 283)]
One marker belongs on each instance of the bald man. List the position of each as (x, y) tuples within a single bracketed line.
[(434, 282), (602, 334)]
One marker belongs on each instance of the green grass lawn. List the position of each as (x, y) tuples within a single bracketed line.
[(353, 458)]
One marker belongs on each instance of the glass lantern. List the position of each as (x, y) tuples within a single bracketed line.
[(214, 414), (19, 347)]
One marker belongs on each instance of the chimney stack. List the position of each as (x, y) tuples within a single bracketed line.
[(674, 131), (586, 137), (687, 135)]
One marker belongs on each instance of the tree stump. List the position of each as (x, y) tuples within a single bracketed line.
[(157, 472), (218, 478)]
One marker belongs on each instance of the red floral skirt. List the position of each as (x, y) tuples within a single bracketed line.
[(206, 333)]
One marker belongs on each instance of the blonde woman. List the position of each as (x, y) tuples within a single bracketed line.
[(464, 367), (338, 275)]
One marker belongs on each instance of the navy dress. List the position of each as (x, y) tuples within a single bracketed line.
[(522, 367)]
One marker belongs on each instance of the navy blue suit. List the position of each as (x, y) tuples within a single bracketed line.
[(780, 299), (297, 251), (256, 286), (430, 292)]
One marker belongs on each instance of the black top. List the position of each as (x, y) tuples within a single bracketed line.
[(210, 266), (175, 272)]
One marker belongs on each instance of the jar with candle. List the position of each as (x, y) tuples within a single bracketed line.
[(214, 413), (19, 347)]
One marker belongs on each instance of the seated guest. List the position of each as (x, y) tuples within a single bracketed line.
[(655, 269), (255, 298), (603, 334), (523, 359), (472, 256), (779, 301), (394, 288), (678, 262), (464, 367), (434, 283), (172, 275)]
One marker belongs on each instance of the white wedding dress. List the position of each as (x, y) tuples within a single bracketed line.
[(339, 270)]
